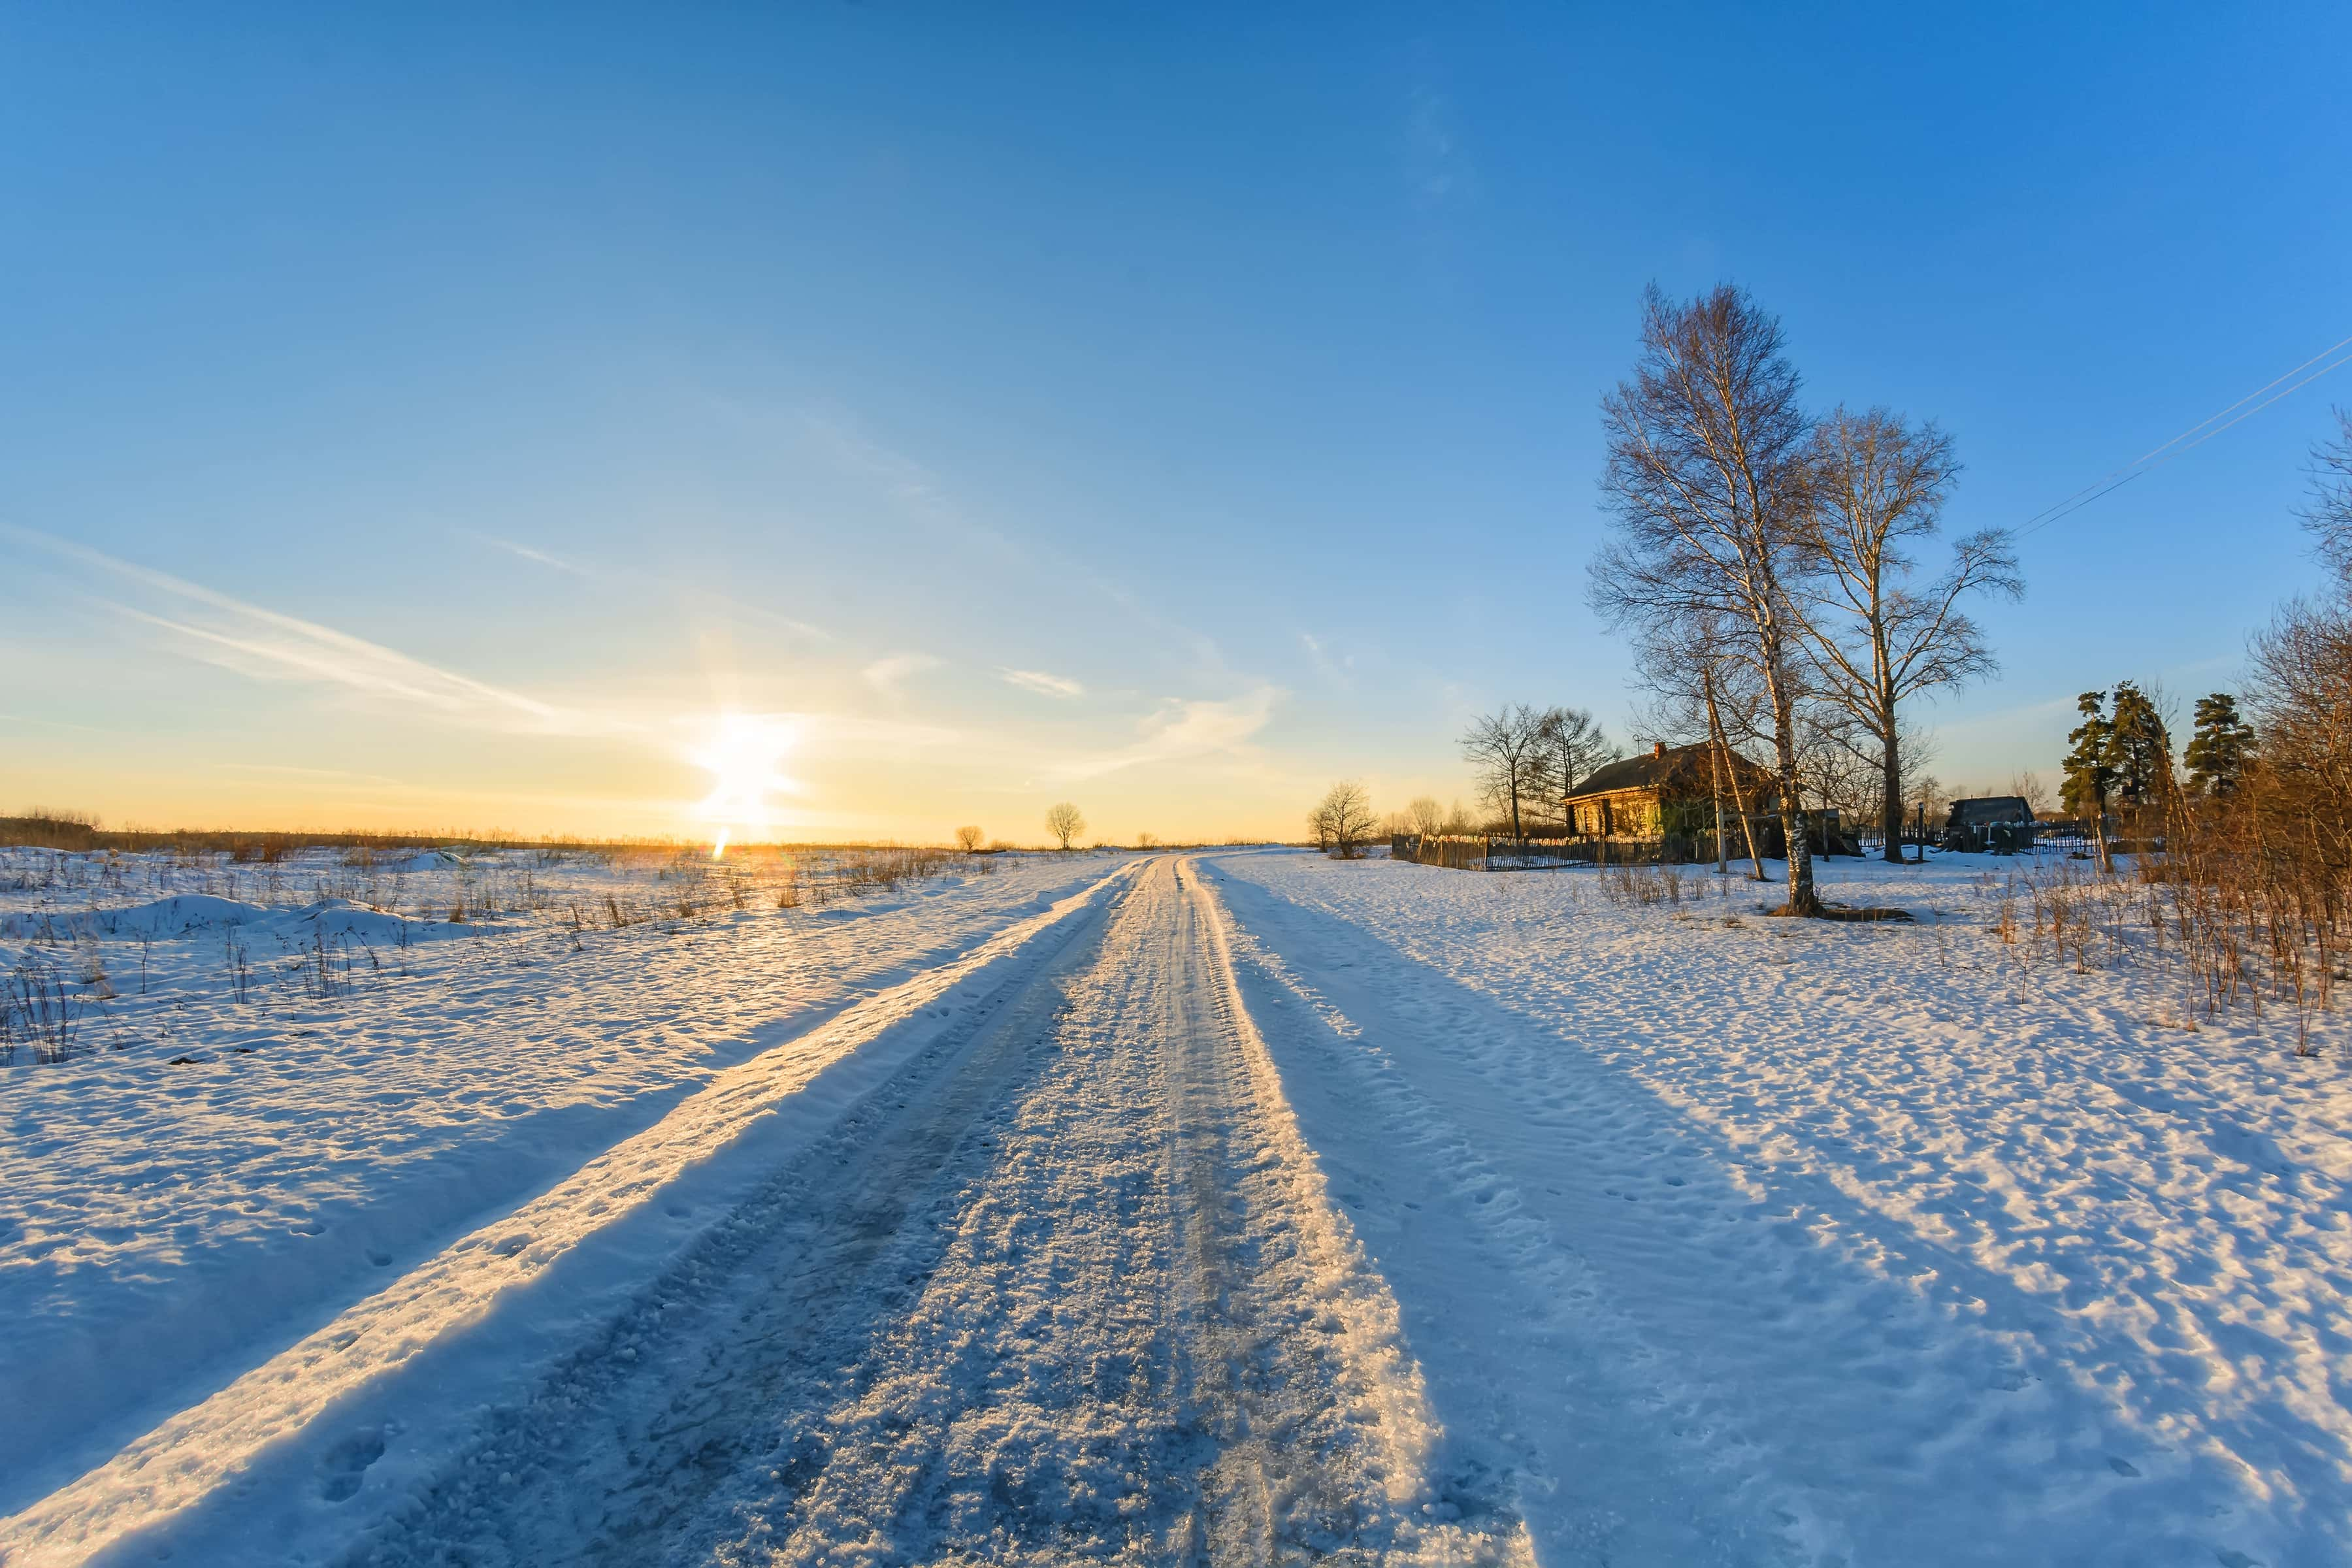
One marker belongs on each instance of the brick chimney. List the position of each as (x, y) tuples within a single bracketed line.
[(1657, 748)]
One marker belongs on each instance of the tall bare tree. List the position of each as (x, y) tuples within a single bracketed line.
[(1574, 745), (1875, 638), (1065, 823), (1508, 749), (1706, 479)]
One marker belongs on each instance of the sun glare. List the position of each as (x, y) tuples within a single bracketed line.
[(744, 757)]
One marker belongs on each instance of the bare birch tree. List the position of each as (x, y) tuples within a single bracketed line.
[(1706, 479), (1507, 747), (1874, 638)]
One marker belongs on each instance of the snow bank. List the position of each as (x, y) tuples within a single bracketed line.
[(200, 914), (1748, 1239), (180, 915), (422, 861)]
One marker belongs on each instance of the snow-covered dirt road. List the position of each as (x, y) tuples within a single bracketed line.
[(1065, 1284), (1249, 1207)]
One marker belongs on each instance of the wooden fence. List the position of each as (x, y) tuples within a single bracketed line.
[(1486, 852)]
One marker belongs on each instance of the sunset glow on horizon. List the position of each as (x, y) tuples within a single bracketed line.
[(439, 473), (743, 757)]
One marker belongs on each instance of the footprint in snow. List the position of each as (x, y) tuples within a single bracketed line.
[(343, 1466), (2122, 1466)]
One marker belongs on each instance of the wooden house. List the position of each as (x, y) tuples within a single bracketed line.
[(1666, 790)]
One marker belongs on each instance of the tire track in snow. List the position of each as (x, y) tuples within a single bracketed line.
[(699, 1387), (249, 1434), (1150, 1339), (1320, 1301), (1072, 1292)]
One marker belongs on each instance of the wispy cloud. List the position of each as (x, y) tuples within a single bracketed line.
[(1182, 728), (1042, 683), (524, 551), (919, 495), (793, 624), (1434, 164), (692, 595), (264, 643), (887, 674), (1339, 670)]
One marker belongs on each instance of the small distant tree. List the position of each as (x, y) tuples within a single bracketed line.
[(968, 839), (1147, 841), (1343, 820), (1065, 823), (1932, 798), (2219, 748), (2028, 787), (1509, 750), (1428, 817)]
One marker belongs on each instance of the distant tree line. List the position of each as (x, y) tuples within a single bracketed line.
[(2250, 833)]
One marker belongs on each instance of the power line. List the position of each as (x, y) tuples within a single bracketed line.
[(2156, 457)]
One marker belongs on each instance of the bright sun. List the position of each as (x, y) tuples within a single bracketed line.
[(743, 757)]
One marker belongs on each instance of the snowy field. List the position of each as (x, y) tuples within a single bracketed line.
[(202, 1173), (1738, 1236), (1234, 1207)]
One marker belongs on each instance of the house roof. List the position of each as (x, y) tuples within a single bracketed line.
[(1988, 808), (1670, 767)]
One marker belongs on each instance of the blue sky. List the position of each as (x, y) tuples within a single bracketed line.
[(439, 419)]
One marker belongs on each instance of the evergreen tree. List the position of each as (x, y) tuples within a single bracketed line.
[(2089, 777), (2138, 750), (2221, 747)]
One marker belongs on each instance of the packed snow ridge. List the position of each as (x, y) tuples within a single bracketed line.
[(1236, 1208)]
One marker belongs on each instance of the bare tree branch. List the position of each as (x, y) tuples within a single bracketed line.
[(1875, 639)]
